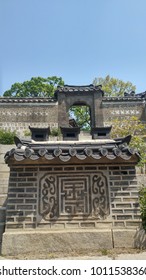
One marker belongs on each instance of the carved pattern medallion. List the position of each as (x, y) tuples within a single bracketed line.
[(73, 196)]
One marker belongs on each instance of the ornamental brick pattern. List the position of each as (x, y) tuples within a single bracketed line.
[(72, 197), (18, 113)]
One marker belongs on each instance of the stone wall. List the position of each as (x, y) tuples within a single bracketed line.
[(113, 188), (119, 109), (20, 113), (19, 117)]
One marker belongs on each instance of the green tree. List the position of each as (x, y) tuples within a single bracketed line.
[(7, 137), (81, 114), (113, 86), (136, 129), (35, 87)]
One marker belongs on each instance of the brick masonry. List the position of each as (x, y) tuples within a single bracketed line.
[(29, 202), (114, 109), (18, 116)]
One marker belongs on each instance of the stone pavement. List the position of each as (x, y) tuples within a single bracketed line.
[(138, 256), (103, 255)]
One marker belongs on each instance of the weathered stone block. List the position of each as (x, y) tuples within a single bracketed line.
[(140, 239), (55, 241), (3, 200), (124, 238)]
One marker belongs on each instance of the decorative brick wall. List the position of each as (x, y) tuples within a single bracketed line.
[(42, 197), (20, 116), (119, 109)]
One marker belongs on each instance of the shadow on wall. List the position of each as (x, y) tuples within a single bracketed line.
[(2, 221), (4, 181), (140, 239)]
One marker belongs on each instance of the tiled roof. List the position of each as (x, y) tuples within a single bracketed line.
[(71, 88), (26, 100), (94, 150), (127, 97), (74, 89), (141, 95)]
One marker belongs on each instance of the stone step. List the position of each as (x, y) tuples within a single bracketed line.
[(28, 241)]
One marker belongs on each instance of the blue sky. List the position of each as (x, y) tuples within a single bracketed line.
[(75, 39)]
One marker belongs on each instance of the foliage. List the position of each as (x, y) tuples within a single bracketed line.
[(81, 114), (55, 132), (113, 86), (7, 137), (136, 129), (35, 87), (27, 132), (142, 203)]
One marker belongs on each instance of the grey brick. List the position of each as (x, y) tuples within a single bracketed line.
[(14, 226), (79, 168), (16, 190), (30, 195), (31, 179), (127, 167), (25, 174), (45, 168), (123, 194), (117, 211), (17, 200), (121, 183), (124, 217), (30, 201), (31, 189), (102, 168), (10, 207), (114, 167), (31, 169), (114, 178), (123, 205), (69, 168), (17, 169), (24, 207)]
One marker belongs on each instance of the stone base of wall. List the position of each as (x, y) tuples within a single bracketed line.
[(65, 241), (4, 179)]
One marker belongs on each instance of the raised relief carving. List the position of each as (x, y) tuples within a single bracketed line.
[(73, 196), (100, 199), (48, 206)]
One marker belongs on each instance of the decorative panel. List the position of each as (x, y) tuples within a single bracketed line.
[(73, 196)]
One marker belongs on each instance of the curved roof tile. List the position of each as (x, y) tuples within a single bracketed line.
[(77, 151)]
